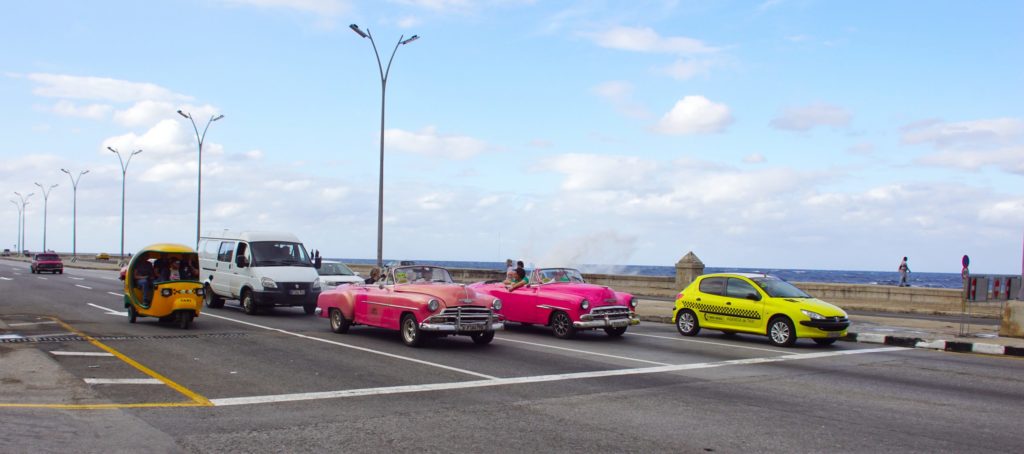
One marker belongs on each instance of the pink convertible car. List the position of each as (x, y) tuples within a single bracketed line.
[(419, 301), (560, 298)]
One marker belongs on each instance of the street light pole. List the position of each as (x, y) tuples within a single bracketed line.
[(124, 171), (24, 214), (200, 138), (17, 246), (46, 200), (74, 212), (383, 92)]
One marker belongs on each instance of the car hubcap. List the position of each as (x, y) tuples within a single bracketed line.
[(780, 332), (410, 330), (561, 324), (685, 323), (335, 319)]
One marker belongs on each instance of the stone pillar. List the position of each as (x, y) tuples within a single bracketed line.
[(687, 269)]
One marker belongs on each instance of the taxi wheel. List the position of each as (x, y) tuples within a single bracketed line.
[(686, 323), (561, 324), (211, 299), (616, 332), (825, 342), (781, 332), (339, 323), (483, 338), (248, 304), (184, 319), (132, 315), (411, 334)]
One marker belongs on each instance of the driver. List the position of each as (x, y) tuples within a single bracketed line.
[(424, 275)]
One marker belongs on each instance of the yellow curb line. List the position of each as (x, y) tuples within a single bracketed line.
[(196, 399)]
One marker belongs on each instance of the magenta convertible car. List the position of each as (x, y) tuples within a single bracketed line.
[(561, 299)]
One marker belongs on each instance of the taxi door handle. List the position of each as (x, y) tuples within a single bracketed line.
[(698, 298), (728, 303)]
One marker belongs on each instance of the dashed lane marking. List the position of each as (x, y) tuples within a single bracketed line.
[(48, 322), (123, 381), (109, 311), (723, 344), (585, 352), (82, 286), (76, 278), (528, 380), (5, 278), (364, 349), (40, 277), (116, 294), (66, 353)]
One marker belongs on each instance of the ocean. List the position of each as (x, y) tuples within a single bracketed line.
[(930, 280)]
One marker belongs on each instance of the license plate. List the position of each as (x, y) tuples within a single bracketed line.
[(473, 327), (186, 301), (834, 333), (297, 292)]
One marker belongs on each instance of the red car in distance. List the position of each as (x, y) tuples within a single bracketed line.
[(47, 262)]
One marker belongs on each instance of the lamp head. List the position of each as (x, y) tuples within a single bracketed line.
[(65, 171), (413, 38), (218, 117), (183, 114), (359, 32), (111, 149)]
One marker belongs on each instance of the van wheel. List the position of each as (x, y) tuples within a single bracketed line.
[(185, 319), (211, 299), (561, 324), (411, 334), (339, 323), (248, 304), (132, 315)]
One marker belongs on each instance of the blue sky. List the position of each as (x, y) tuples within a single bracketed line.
[(780, 133)]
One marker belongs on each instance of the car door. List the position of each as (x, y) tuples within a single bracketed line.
[(743, 306), (710, 301), (240, 275), (520, 305), (221, 281)]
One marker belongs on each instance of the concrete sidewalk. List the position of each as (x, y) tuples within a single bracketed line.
[(905, 331)]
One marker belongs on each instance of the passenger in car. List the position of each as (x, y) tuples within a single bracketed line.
[(374, 276), (520, 280), (143, 276)]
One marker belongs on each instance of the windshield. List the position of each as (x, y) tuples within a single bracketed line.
[(47, 257), (419, 274), (279, 253), (556, 275), (778, 288), (335, 269)]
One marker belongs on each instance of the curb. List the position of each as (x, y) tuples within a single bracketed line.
[(904, 341)]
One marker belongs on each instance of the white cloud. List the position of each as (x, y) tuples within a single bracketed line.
[(439, 5), (99, 88), (941, 134), (1009, 213), (167, 138), (598, 172), (754, 158), (685, 69), (805, 118), (408, 22), (428, 142), (642, 39), (620, 95), (328, 8), (144, 113), (1008, 159), (93, 111), (695, 115)]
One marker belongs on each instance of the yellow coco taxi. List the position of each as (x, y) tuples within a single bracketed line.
[(757, 304)]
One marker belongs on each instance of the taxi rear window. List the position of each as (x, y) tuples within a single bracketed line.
[(713, 285)]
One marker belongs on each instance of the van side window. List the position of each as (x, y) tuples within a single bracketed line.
[(226, 248)]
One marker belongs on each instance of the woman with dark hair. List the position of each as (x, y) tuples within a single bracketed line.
[(520, 280)]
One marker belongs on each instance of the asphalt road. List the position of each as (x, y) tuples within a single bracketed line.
[(283, 382)]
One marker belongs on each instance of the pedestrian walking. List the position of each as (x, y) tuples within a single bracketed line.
[(904, 270)]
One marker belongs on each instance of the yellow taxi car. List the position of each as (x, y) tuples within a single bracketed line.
[(757, 304)]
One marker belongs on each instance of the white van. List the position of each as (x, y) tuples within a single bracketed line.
[(259, 269)]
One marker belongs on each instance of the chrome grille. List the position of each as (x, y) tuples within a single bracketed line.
[(463, 314), (610, 311)]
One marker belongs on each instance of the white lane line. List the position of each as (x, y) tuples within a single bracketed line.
[(123, 381), (64, 353), (76, 278), (82, 286), (116, 294), (60, 334), (389, 355), (722, 344), (526, 380), (6, 278), (585, 352), (40, 277), (109, 311), (49, 322)]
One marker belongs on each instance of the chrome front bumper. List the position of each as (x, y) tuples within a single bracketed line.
[(463, 320), (462, 327), (605, 321)]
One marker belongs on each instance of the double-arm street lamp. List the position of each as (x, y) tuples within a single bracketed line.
[(74, 212), (124, 171), (24, 201), (200, 139), (46, 199), (17, 241), (383, 90)]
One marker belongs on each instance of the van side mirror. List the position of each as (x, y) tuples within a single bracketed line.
[(318, 262), (241, 261)]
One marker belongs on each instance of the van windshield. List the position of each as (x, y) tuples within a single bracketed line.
[(279, 253)]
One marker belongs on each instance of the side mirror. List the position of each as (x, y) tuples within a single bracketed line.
[(318, 262), (753, 296)]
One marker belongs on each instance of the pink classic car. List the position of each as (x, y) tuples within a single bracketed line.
[(560, 298), (420, 301)]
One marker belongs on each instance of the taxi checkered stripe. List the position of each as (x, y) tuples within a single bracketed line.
[(727, 311)]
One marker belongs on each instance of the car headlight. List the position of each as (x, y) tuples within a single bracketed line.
[(200, 291), (632, 302), (496, 304), (268, 283), (165, 292), (812, 315), (584, 304), (433, 305), (316, 284)]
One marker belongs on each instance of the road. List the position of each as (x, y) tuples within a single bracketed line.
[(284, 382)]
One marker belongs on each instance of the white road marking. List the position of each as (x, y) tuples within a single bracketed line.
[(123, 381), (48, 322), (40, 277), (76, 278), (585, 352), (109, 311), (527, 380), (116, 294), (82, 286), (6, 278), (64, 353), (390, 355), (62, 333), (723, 344)]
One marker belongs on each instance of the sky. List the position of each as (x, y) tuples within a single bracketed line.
[(805, 134)]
